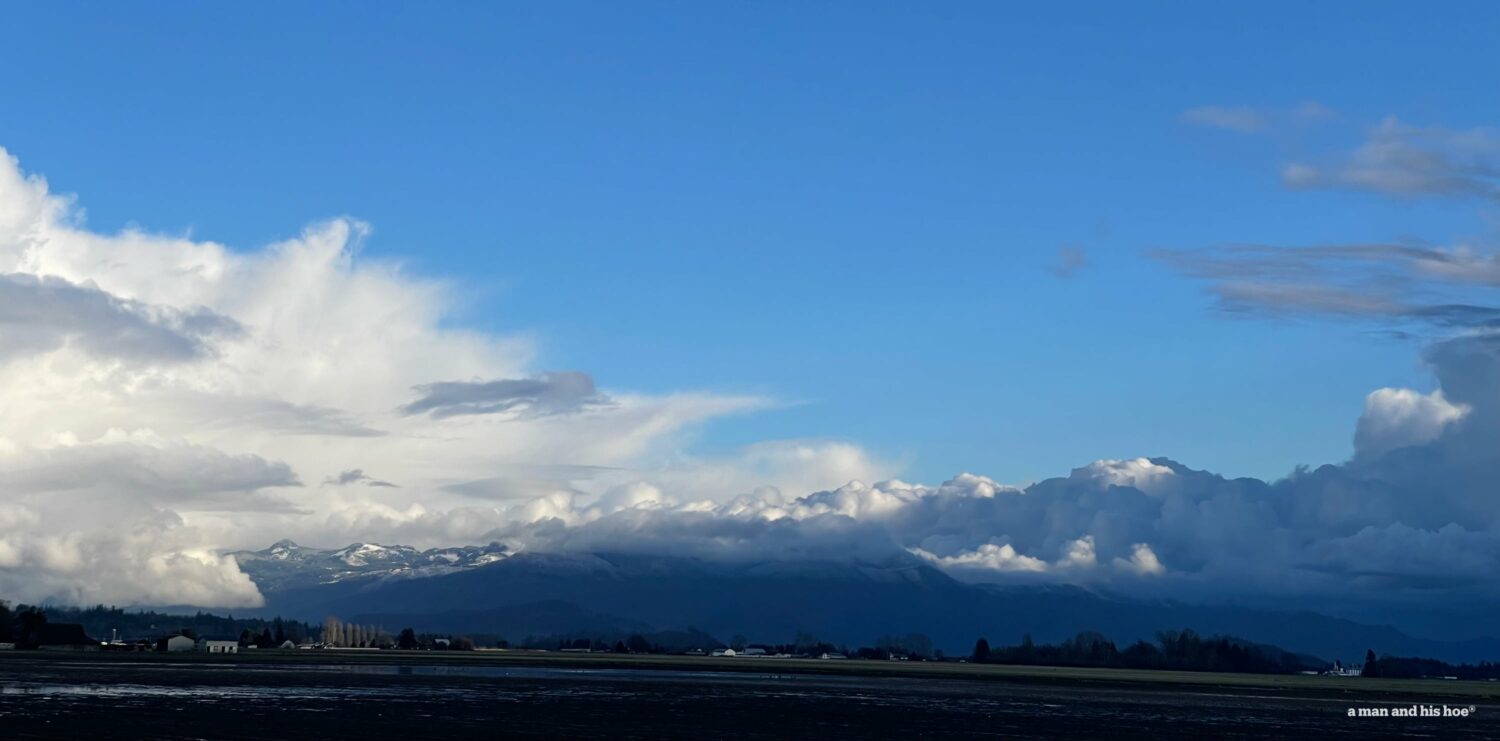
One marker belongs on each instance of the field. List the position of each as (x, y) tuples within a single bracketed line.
[(492, 694), (1291, 684)]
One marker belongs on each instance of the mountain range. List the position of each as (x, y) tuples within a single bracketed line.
[(286, 565), (486, 590)]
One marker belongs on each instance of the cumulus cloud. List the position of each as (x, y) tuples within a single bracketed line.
[(152, 558), (1401, 557), (1421, 485), (1420, 482), (1412, 514), (1141, 473), (1398, 418), (1142, 561), (179, 420), (149, 379), (988, 556)]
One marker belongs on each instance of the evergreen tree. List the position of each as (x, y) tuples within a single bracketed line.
[(981, 650)]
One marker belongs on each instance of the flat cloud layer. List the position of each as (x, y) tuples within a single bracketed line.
[(551, 393), (1411, 161), (164, 400)]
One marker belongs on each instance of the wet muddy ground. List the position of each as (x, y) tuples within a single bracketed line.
[(94, 698)]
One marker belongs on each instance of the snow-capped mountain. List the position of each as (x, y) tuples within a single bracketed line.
[(287, 565), (538, 593)]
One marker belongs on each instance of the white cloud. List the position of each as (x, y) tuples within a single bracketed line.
[(1140, 473), (181, 417), (1142, 561), (1397, 418), (1399, 159), (147, 378), (1079, 554), (151, 558), (988, 556)]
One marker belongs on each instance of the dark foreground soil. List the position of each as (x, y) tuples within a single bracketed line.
[(98, 697)]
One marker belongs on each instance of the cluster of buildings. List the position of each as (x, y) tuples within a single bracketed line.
[(756, 651), (184, 644), (73, 637)]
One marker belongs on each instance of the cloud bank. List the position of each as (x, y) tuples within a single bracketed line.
[(164, 400)]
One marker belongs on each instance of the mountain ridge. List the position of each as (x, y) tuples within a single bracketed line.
[(847, 602), (285, 564)]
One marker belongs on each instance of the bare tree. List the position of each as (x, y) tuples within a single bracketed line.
[(333, 631)]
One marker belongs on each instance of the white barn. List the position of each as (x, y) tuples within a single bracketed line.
[(218, 647), (180, 644)]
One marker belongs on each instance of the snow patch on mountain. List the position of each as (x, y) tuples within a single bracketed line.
[(286, 565)]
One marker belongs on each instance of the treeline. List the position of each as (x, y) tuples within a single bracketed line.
[(410, 640), (1402, 667), (1178, 650), (350, 635), (21, 626), (100, 622), (663, 641)]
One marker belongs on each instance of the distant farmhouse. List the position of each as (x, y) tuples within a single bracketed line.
[(181, 644), (218, 646)]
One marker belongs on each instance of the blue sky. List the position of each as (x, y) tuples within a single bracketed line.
[(851, 207)]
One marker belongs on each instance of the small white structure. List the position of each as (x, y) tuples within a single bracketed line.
[(180, 644), (287, 644), (218, 647), (724, 652)]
